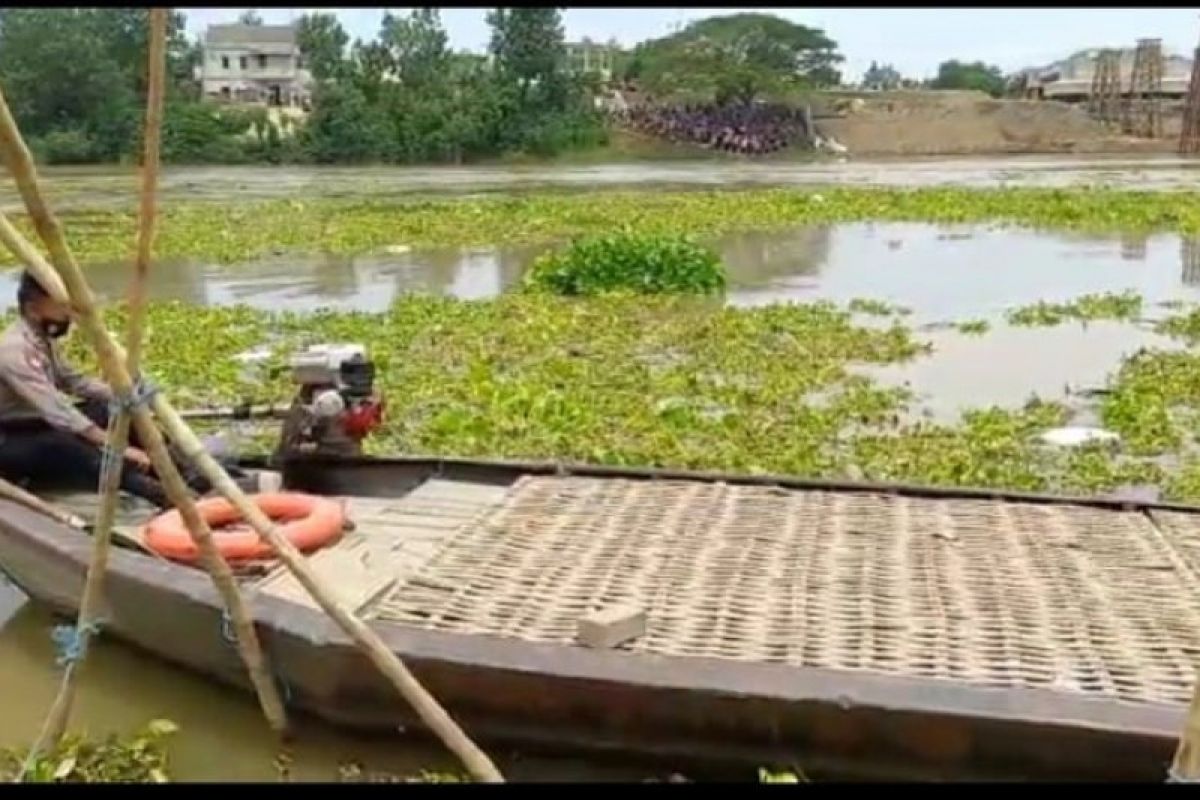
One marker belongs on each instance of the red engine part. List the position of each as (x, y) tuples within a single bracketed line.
[(363, 419)]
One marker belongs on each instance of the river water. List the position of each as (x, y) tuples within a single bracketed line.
[(943, 274), (105, 186)]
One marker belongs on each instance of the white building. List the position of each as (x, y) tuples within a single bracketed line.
[(255, 64), (1071, 78)]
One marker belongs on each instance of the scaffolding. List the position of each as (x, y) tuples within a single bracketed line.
[(1189, 137), (1143, 108), (1104, 102)]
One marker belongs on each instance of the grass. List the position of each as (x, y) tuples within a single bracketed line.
[(238, 232)]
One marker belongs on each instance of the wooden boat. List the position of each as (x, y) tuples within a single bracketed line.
[(850, 629)]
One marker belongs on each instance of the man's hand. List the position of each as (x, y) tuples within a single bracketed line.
[(137, 458)]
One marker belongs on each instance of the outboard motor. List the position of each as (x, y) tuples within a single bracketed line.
[(336, 406)]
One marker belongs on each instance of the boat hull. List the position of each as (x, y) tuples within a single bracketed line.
[(685, 711)]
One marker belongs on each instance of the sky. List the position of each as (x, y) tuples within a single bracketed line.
[(913, 40)]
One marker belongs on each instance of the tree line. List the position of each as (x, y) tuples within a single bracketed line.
[(952, 74), (75, 79)]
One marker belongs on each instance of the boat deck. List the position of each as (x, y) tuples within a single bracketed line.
[(993, 593)]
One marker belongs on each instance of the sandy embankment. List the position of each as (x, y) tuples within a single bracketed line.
[(962, 123)]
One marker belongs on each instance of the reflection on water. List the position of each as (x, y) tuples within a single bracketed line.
[(941, 273), (1009, 365), (1133, 246), (1189, 256)]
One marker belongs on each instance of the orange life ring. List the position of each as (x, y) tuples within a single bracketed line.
[(307, 522)]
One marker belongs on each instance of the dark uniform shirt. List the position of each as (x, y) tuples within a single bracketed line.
[(35, 381)]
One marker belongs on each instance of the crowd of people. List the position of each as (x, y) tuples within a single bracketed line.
[(751, 129)]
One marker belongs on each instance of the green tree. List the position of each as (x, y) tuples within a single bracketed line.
[(61, 76), (737, 58), (416, 48), (80, 73), (976, 75), (250, 17), (528, 47), (344, 127), (322, 42)]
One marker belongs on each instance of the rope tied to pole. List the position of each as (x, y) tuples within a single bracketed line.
[(71, 642), (230, 637), (140, 396)]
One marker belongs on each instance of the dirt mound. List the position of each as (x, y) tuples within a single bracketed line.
[(953, 123)]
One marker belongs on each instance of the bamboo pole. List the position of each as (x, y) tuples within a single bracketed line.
[(1185, 768), (55, 724), (16, 494), (20, 165), (173, 485), (16, 157)]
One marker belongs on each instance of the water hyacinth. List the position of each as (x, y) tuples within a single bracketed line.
[(637, 263), (228, 233), (1113, 306), (677, 381), (139, 758)]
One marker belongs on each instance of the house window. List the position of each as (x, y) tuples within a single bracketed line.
[(224, 62), (242, 62), (262, 62)]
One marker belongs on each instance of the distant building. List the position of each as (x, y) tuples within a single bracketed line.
[(255, 65), (1071, 78), (588, 57)]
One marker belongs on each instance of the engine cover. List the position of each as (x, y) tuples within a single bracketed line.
[(336, 405)]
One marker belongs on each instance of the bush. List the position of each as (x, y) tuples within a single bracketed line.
[(65, 147), (644, 264), (200, 133)]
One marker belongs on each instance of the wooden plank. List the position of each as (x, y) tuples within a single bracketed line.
[(480, 493), (358, 575)]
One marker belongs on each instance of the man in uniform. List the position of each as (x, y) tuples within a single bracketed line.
[(45, 437)]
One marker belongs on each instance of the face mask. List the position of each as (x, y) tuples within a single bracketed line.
[(56, 328)]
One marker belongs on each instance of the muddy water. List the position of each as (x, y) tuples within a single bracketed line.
[(109, 186), (222, 734), (941, 274)]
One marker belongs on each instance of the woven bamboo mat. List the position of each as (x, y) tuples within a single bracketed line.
[(985, 592)]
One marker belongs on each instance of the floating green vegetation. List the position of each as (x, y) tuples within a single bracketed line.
[(353, 772), (638, 263), (779, 776), (651, 380), (973, 327), (1123, 306), (681, 382), (1184, 326), (876, 308), (233, 232), (140, 758)]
